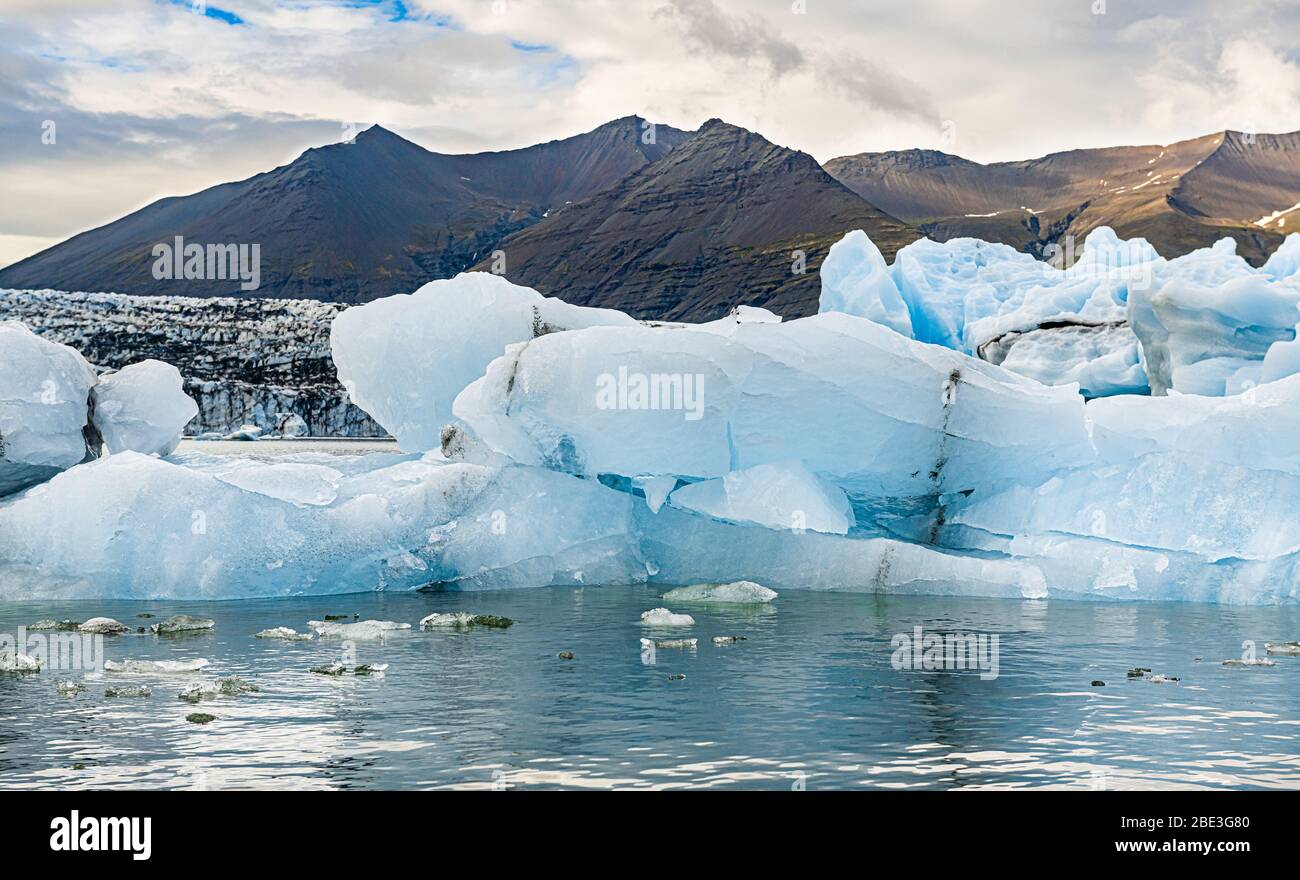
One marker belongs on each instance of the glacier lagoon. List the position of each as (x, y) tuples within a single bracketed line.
[(810, 699)]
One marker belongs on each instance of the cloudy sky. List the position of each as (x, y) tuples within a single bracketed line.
[(107, 106)]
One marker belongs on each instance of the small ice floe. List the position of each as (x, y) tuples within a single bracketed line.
[(1139, 672), (1250, 661), (156, 667), (141, 691), (105, 626), (69, 688), (363, 629), (728, 640), (464, 620), (677, 676), (668, 643), (200, 718), (17, 663), (56, 625), (223, 687), (1283, 648), (737, 592), (664, 617), (182, 623), (1162, 679), (286, 633), (340, 668)]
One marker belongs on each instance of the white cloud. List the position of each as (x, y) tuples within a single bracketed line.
[(153, 100)]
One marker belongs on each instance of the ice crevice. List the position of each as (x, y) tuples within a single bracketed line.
[(872, 447)]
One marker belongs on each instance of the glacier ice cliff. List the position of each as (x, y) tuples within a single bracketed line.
[(261, 362), (546, 444)]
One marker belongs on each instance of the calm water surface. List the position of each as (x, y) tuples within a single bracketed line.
[(810, 699)]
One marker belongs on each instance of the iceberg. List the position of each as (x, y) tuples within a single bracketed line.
[(933, 422), (142, 408), (551, 445), (403, 359), (740, 592), (182, 623), (664, 617), (284, 633), (855, 280), (363, 629), (44, 408)]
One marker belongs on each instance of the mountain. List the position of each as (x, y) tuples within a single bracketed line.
[(1179, 197), (352, 222), (713, 224)]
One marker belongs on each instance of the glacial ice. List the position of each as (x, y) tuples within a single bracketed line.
[(855, 280), (739, 592), (931, 421), (44, 389), (552, 445), (142, 408), (1120, 320), (664, 617), (782, 495), (403, 359)]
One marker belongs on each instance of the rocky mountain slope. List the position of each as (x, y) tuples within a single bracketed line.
[(352, 222), (715, 223), (1179, 197)]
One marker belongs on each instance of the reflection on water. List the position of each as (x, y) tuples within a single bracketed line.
[(810, 699)]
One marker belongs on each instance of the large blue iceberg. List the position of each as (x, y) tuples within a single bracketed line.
[(923, 434)]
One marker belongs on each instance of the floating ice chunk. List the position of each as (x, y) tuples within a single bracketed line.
[(104, 626), (1292, 648), (403, 359), (129, 691), (664, 617), (742, 592), (930, 421), (855, 280), (464, 620), (1250, 661), (17, 663), (143, 408), (69, 688), (365, 629), (669, 644), (224, 687), (155, 667), (781, 495), (57, 625), (182, 623), (44, 404), (285, 633), (728, 640)]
